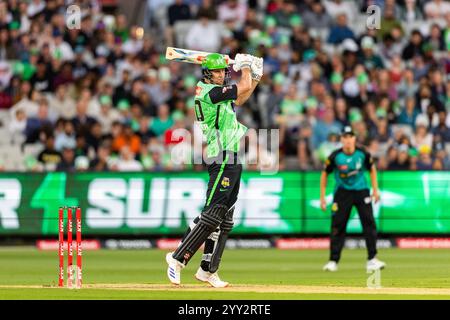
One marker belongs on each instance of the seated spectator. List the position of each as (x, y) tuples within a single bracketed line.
[(134, 43), (402, 161), (407, 86), (67, 162), (388, 22), (42, 80), (338, 7), (435, 39), (61, 104), (18, 124), (369, 58), (317, 17), (126, 137), (82, 121), (66, 138), (340, 31), (126, 161), (95, 136), (100, 162), (163, 121), (414, 47), (81, 148), (422, 137), (49, 157), (233, 12), (291, 109), (284, 13), (178, 11), (410, 12), (425, 161), (144, 131), (204, 35), (409, 113), (442, 130), (442, 156), (40, 122), (324, 128), (81, 163), (436, 9)]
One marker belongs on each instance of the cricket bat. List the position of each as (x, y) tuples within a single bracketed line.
[(190, 56)]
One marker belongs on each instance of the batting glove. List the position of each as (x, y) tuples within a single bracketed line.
[(257, 68), (242, 61)]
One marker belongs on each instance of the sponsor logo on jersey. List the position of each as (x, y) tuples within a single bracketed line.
[(225, 89), (334, 207), (225, 182), (198, 90), (343, 167)]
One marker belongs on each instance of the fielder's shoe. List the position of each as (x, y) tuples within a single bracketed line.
[(375, 264), (212, 278), (330, 266), (174, 269)]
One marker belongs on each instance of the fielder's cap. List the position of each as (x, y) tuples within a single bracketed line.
[(347, 130)]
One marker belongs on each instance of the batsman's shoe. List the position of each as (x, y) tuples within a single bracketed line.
[(330, 266), (375, 264), (212, 278), (174, 269)]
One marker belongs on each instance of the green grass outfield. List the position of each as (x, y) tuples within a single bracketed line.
[(26, 273)]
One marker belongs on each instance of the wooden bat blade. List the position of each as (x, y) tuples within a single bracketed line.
[(189, 56)]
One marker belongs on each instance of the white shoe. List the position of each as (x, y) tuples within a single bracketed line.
[(375, 264), (174, 269), (330, 266), (212, 278)]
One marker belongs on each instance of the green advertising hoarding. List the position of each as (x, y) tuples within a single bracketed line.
[(411, 202), (165, 203)]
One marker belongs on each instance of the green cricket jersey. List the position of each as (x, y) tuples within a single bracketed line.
[(349, 168), (214, 109)]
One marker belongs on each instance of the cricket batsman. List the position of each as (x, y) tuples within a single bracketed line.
[(215, 102), (349, 164)]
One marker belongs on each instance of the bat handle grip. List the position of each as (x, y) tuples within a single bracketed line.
[(231, 61)]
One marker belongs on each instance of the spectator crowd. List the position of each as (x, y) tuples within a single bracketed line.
[(103, 97)]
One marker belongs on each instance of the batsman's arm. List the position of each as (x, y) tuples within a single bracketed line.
[(241, 100), (245, 86)]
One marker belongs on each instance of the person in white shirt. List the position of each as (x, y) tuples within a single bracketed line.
[(61, 49), (204, 35), (18, 124), (35, 7), (127, 162), (61, 103), (233, 11), (337, 7), (436, 9), (29, 106), (133, 44), (107, 115)]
